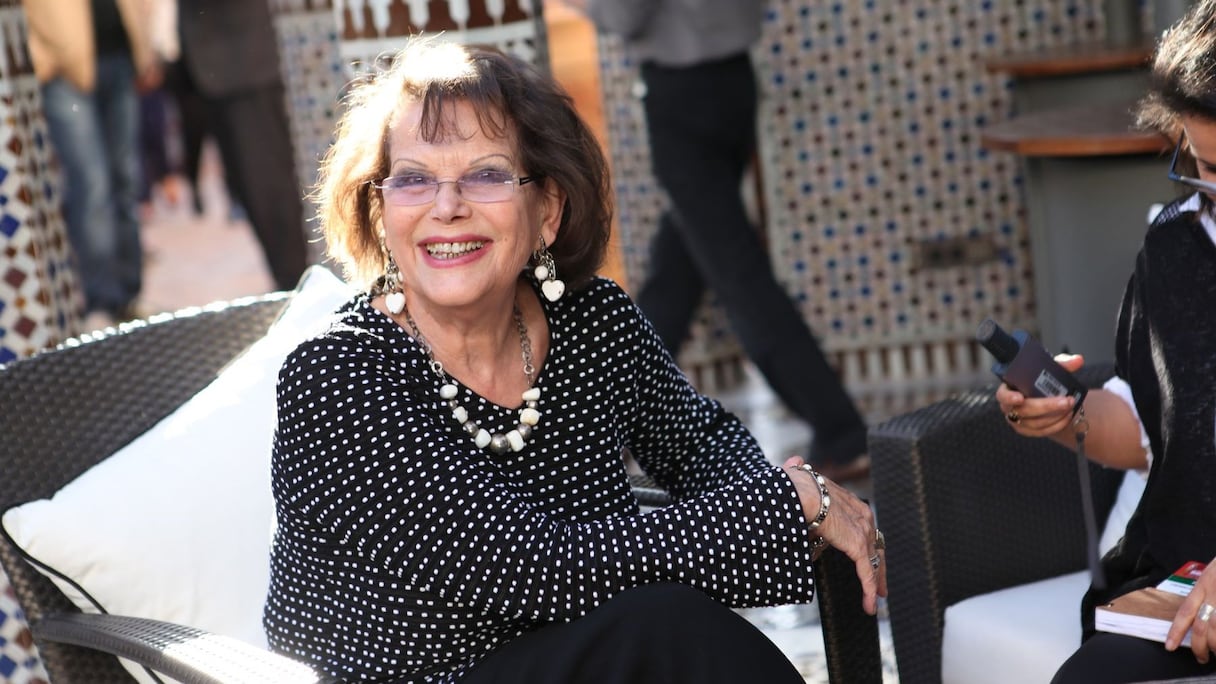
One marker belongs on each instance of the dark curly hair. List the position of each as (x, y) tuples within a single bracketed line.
[(1182, 81), (510, 97)]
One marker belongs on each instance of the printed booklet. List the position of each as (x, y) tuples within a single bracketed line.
[(1148, 613)]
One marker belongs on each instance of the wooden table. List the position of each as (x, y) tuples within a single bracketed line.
[(1086, 130), (1089, 179)]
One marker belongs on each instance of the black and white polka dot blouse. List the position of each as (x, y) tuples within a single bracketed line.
[(404, 551)]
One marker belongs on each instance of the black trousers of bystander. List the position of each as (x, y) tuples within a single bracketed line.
[(702, 125)]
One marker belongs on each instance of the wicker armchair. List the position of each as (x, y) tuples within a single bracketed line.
[(69, 409), (969, 507)]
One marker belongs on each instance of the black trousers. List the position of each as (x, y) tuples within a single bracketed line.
[(661, 633), (1112, 658), (252, 132), (702, 125), (255, 143)]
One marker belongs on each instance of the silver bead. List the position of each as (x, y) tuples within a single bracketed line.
[(498, 443), (524, 431), (471, 427)]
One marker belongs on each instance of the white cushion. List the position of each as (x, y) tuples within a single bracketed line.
[(1125, 504), (1018, 635), (176, 525), (1024, 634)]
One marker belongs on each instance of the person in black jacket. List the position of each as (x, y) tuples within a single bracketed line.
[(230, 61), (1159, 412)]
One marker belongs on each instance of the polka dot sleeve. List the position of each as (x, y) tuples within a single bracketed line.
[(426, 552)]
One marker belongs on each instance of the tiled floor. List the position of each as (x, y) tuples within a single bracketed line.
[(193, 260)]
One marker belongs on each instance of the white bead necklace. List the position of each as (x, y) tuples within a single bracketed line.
[(529, 415)]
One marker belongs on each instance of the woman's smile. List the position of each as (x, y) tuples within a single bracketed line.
[(450, 251)]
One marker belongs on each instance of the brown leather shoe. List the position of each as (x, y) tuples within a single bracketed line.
[(857, 469)]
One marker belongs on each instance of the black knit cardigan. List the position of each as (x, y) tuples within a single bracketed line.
[(1166, 351)]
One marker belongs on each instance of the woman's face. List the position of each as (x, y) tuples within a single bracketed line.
[(455, 253), (1201, 141)]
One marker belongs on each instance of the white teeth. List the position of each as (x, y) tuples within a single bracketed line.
[(451, 250)]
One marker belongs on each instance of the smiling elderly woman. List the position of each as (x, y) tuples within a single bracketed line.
[(451, 495)]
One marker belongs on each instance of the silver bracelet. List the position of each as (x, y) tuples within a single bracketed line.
[(825, 501)]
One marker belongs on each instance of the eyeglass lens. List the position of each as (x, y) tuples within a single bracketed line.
[(1189, 181), (480, 186)]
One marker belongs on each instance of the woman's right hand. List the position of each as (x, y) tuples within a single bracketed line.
[(849, 526), (1042, 416)]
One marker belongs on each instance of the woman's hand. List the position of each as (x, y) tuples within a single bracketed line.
[(849, 526), (1196, 614), (1039, 417)]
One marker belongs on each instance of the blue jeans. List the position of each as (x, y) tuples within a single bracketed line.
[(95, 136)]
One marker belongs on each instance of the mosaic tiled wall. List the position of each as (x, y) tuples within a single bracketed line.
[(40, 299), (370, 29), (313, 76), (871, 160), (871, 151), (19, 663), (39, 295)]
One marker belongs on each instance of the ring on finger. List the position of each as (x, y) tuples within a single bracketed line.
[(880, 541), (1205, 612), (875, 560), (1013, 417)]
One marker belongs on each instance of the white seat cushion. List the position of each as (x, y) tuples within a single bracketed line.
[(1126, 502), (1018, 635), (1023, 634)]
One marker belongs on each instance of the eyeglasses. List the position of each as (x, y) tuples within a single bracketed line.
[(1199, 184), (412, 189)]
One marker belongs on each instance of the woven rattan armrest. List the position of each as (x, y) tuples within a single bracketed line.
[(183, 653), (969, 507)]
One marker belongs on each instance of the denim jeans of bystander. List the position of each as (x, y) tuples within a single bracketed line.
[(95, 136)]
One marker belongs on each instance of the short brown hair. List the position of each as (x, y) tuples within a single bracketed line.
[(510, 97)]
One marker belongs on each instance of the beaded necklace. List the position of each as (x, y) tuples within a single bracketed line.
[(529, 415)]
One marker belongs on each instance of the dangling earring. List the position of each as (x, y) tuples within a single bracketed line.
[(546, 272), (394, 298)]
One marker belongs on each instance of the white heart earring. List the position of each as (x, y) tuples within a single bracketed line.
[(394, 298), (546, 273)]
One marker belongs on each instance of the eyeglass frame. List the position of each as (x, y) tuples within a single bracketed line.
[(513, 181), (1189, 181)]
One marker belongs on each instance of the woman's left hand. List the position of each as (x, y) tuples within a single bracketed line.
[(849, 526), (1196, 614)]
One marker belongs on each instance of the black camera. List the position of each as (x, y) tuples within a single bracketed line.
[(1023, 364)]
